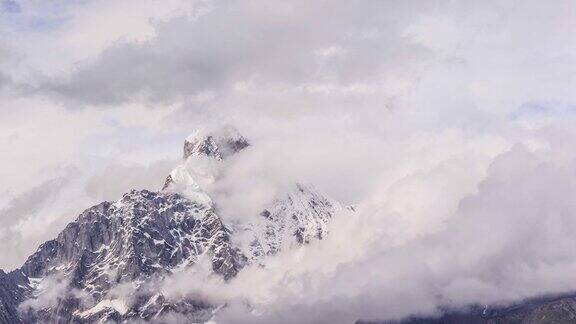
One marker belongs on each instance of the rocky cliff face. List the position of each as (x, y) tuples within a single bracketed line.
[(82, 275), (142, 235), (14, 289)]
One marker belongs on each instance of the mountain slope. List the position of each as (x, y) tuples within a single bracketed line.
[(298, 217)]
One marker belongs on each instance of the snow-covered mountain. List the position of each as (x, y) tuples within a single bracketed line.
[(145, 236), (103, 267)]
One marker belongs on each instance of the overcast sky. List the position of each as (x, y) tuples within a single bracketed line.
[(451, 123)]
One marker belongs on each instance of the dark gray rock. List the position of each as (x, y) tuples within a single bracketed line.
[(543, 310), (14, 289)]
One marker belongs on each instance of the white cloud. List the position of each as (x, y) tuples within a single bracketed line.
[(417, 110)]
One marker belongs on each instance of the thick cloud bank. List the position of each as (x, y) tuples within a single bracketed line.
[(450, 125)]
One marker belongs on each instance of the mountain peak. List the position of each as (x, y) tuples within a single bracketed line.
[(216, 142)]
